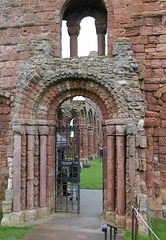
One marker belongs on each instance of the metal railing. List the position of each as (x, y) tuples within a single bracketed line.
[(138, 217), (112, 232)]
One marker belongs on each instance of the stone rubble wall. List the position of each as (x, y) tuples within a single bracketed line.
[(118, 74)]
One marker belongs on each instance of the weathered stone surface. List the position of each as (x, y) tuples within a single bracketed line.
[(9, 195), (7, 206), (6, 220), (17, 218), (42, 212), (30, 215)]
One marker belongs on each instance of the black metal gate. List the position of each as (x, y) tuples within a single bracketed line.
[(67, 169)]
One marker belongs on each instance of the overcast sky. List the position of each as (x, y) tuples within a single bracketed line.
[(87, 39)]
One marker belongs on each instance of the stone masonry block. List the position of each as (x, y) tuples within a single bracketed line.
[(30, 215), (17, 218), (42, 212), (143, 142), (9, 195), (7, 206), (6, 220)]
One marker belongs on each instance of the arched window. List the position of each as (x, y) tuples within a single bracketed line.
[(74, 12)]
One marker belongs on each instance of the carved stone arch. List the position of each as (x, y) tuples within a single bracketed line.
[(85, 84)]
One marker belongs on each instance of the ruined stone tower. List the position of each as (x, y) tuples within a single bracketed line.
[(128, 85)]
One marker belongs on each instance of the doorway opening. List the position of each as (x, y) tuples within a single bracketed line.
[(78, 141)]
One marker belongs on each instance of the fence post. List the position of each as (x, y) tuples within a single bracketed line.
[(104, 229), (136, 228), (132, 222), (110, 233)]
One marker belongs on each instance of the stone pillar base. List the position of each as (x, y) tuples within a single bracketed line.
[(42, 212), (6, 220), (30, 215), (110, 217), (17, 218), (120, 220), (129, 224), (12, 219)]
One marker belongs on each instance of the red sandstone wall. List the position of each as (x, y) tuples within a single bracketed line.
[(144, 22), (4, 127)]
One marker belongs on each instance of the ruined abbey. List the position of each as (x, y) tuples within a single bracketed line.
[(127, 87)]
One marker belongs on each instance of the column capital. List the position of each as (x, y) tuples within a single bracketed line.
[(101, 26), (43, 130), (31, 130), (18, 129), (110, 130), (120, 130), (73, 28)]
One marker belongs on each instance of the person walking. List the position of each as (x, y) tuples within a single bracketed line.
[(101, 154), (74, 178)]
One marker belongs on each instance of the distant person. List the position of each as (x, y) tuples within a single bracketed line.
[(62, 173), (74, 178), (101, 154)]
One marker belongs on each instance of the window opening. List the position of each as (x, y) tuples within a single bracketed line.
[(87, 39)]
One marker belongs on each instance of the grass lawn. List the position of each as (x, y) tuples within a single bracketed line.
[(159, 228), (13, 233), (92, 178)]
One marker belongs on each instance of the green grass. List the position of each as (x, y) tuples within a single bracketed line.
[(159, 228), (13, 233), (128, 236), (92, 178)]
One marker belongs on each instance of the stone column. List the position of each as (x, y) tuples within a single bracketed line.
[(31, 131), (43, 132), (86, 144), (101, 29), (90, 143), (82, 127), (73, 30), (120, 158), (95, 147), (18, 131), (110, 131)]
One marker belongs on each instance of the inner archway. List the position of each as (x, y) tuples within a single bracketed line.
[(78, 142)]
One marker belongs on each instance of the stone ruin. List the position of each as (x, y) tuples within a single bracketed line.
[(128, 86)]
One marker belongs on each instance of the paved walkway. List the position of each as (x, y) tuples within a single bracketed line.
[(86, 225)]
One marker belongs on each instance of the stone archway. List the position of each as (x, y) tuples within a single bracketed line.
[(113, 84)]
